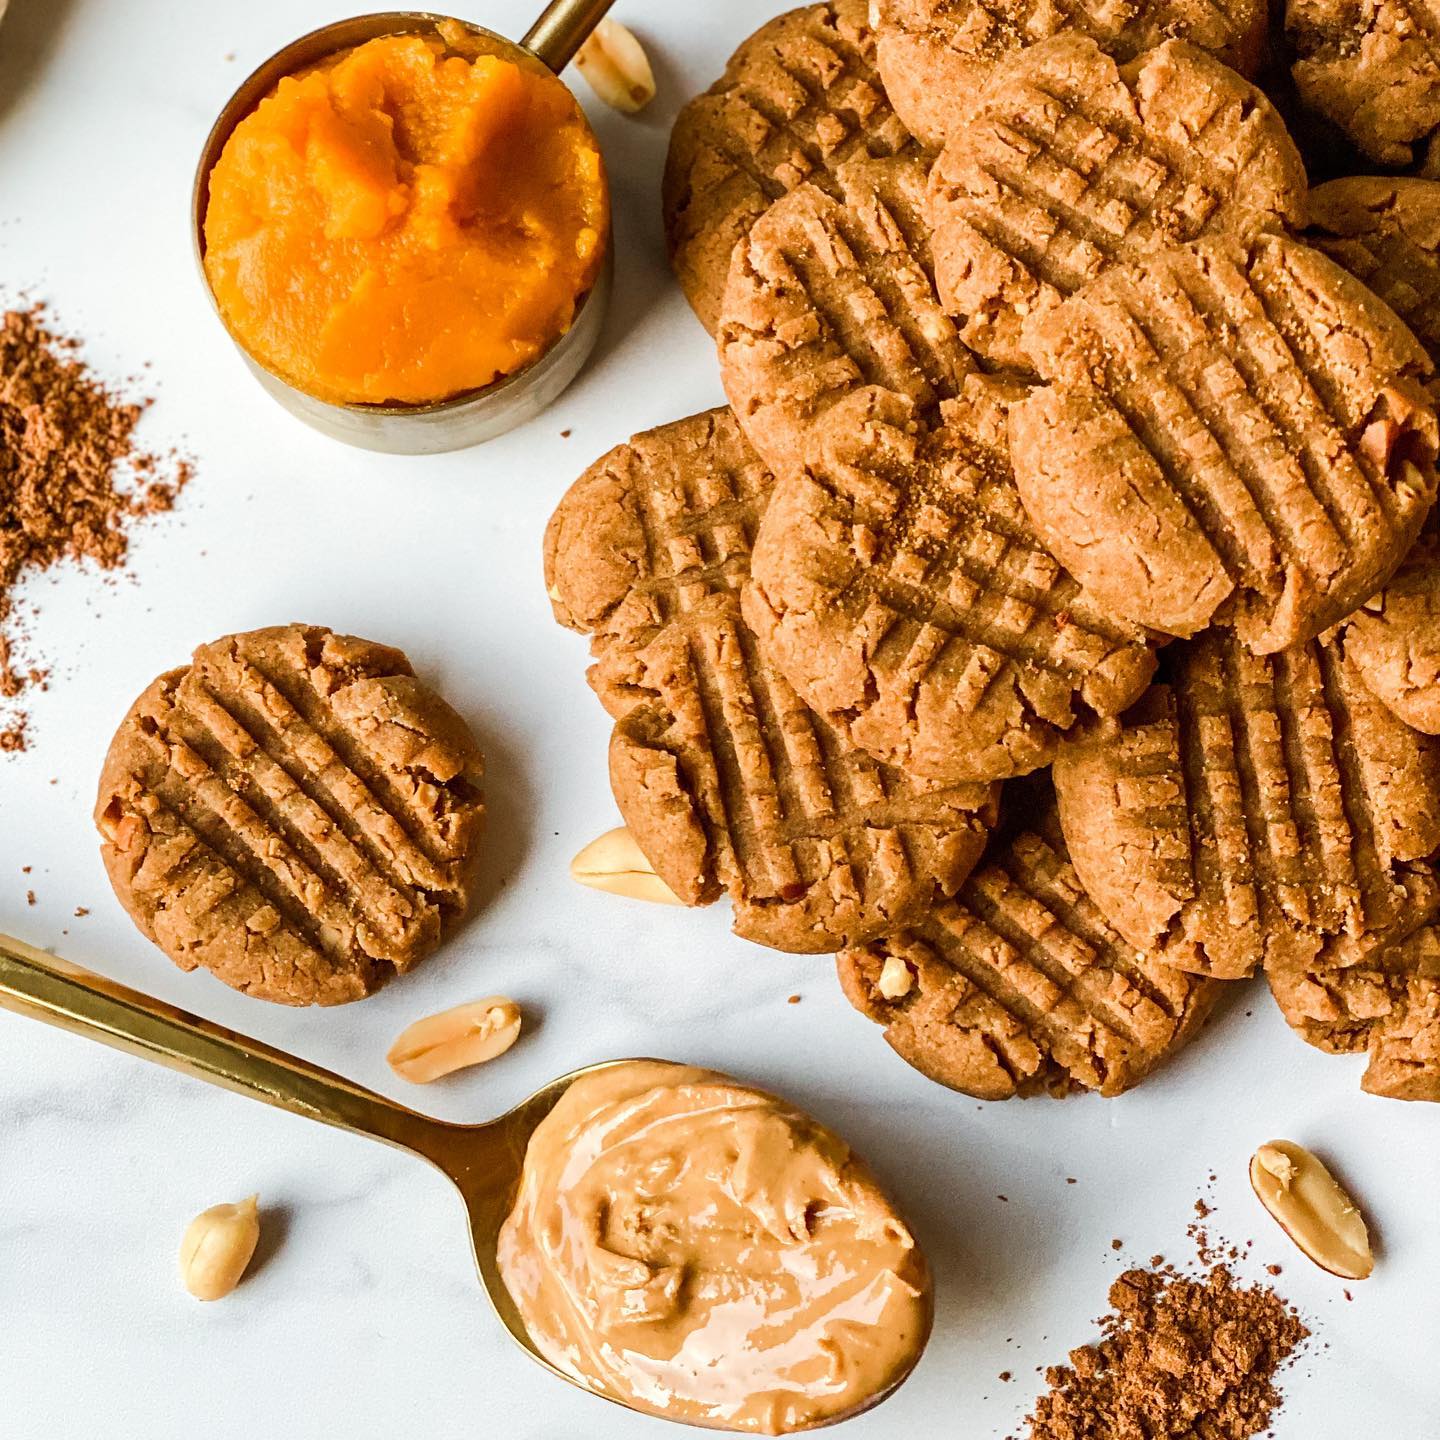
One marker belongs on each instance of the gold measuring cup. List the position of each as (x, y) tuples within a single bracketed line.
[(484, 1162), (477, 415)]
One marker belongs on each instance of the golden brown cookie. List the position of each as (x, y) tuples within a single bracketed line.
[(1386, 232), (830, 294), (1371, 67), (937, 56), (295, 812), (1073, 162), (1233, 434), (798, 98), (1019, 985), (727, 780), (1249, 809), (1393, 639), (898, 585), (1380, 994)]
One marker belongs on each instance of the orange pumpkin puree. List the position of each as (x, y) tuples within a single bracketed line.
[(401, 224)]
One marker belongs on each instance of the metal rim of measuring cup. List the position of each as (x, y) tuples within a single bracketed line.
[(460, 421)]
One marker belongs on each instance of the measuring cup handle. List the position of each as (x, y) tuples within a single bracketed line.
[(49, 989), (562, 30)]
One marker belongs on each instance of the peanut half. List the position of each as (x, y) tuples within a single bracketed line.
[(218, 1247), (615, 65), (616, 863), (455, 1039), (1309, 1205), (896, 978)]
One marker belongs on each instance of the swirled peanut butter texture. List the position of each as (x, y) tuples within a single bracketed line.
[(699, 1249)]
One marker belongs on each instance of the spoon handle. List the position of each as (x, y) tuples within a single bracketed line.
[(49, 989), (563, 29)]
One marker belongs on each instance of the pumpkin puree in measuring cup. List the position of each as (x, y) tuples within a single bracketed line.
[(403, 223)]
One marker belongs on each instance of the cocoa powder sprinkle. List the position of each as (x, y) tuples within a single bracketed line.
[(72, 479), (1179, 1358)]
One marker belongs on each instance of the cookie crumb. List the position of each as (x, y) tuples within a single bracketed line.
[(29, 897), (1116, 1244), (81, 911), (793, 1000)]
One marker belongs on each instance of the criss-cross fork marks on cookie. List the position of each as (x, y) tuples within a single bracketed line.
[(1250, 809), (899, 585), (293, 812), (1380, 995), (938, 56), (831, 294), (1073, 163), (1019, 985), (727, 780), (798, 99), (1234, 434)]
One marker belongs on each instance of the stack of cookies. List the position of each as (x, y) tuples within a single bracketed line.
[(1051, 625)]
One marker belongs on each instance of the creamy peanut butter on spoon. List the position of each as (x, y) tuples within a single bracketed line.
[(696, 1248)]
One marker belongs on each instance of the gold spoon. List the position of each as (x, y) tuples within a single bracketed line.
[(483, 1161)]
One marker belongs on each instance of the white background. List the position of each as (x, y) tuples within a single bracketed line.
[(364, 1318)]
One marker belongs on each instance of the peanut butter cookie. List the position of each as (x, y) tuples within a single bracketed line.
[(1250, 809), (1386, 232), (1019, 985), (1393, 639), (1380, 995), (937, 56), (899, 586), (727, 780), (295, 812), (799, 98), (1371, 67), (1232, 433), (833, 292), (1072, 162)]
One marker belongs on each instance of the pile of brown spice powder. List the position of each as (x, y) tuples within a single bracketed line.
[(71, 478), (1178, 1358)]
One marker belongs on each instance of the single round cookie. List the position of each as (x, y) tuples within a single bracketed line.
[(832, 293), (1073, 162), (1019, 986), (1393, 639), (1249, 809), (937, 56), (1386, 232), (898, 585), (1233, 434), (798, 99), (1372, 69), (295, 812), (727, 780), (1380, 995)]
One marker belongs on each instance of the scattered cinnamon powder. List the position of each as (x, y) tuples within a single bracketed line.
[(71, 477), (1179, 1358)]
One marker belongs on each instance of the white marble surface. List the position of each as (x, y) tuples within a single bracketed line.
[(364, 1318)]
